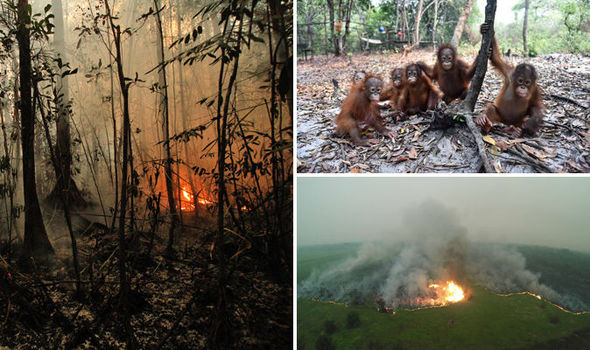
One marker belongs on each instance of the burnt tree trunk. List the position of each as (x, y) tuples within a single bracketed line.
[(482, 59), (123, 304), (185, 123), (163, 108), (467, 105), (64, 184), (36, 242)]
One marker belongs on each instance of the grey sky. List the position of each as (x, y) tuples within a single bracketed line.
[(530, 210)]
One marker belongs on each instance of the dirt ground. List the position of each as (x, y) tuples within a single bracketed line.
[(562, 144)]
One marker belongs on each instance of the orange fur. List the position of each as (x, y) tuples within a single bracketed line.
[(510, 108), (357, 108), (453, 82), (419, 96)]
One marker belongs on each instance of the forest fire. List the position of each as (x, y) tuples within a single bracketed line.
[(439, 295), (451, 293), (187, 201)]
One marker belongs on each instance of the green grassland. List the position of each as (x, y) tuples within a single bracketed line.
[(485, 321)]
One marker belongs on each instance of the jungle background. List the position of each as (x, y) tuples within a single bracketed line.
[(146, 174)]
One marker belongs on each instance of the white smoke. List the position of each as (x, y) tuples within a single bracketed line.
[(436, 249)]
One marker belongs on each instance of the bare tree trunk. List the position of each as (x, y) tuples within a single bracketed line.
[(115, 137), (36, 243), (331, 13), (417, 24), (525, 24), (468, 104), (338, 47), (443, 21), (62, 195), (347, 25), (461, 23), (364, 47), (123, 283), (309, 20), (326, 41), (163, 107), (16, 120), (63, 150), (405, 21), (435, 23), (223, 103), (396, 16), (10, 185), (184, 115)]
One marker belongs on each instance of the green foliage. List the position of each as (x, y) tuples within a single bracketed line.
[(353, 320), (330, 327), (324, 342), (553, 26), (300, 343), (505, 320)]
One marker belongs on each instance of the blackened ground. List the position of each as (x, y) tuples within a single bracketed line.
[(173, 300)]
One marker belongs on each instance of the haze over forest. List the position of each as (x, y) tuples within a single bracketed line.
[(137, 135), (536, 211)]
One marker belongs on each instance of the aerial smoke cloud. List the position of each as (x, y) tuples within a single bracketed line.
[(434, 248)]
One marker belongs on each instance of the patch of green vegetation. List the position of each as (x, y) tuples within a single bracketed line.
[(486, 321)]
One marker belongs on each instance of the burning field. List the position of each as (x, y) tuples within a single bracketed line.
[(434, 266), (436, 277)]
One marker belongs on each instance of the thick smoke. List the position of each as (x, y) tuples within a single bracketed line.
[(434, 248), (503, 269), (354, 280)]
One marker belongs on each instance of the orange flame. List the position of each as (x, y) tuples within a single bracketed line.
[(439, 294), (187, 200), (449, 293)]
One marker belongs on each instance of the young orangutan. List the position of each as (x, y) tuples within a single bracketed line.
[(418, 93), (360, 106), (393, 92), (519, 102), (358, 76), (452, 73)]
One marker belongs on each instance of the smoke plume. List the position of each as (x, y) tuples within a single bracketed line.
[(434, 248)]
